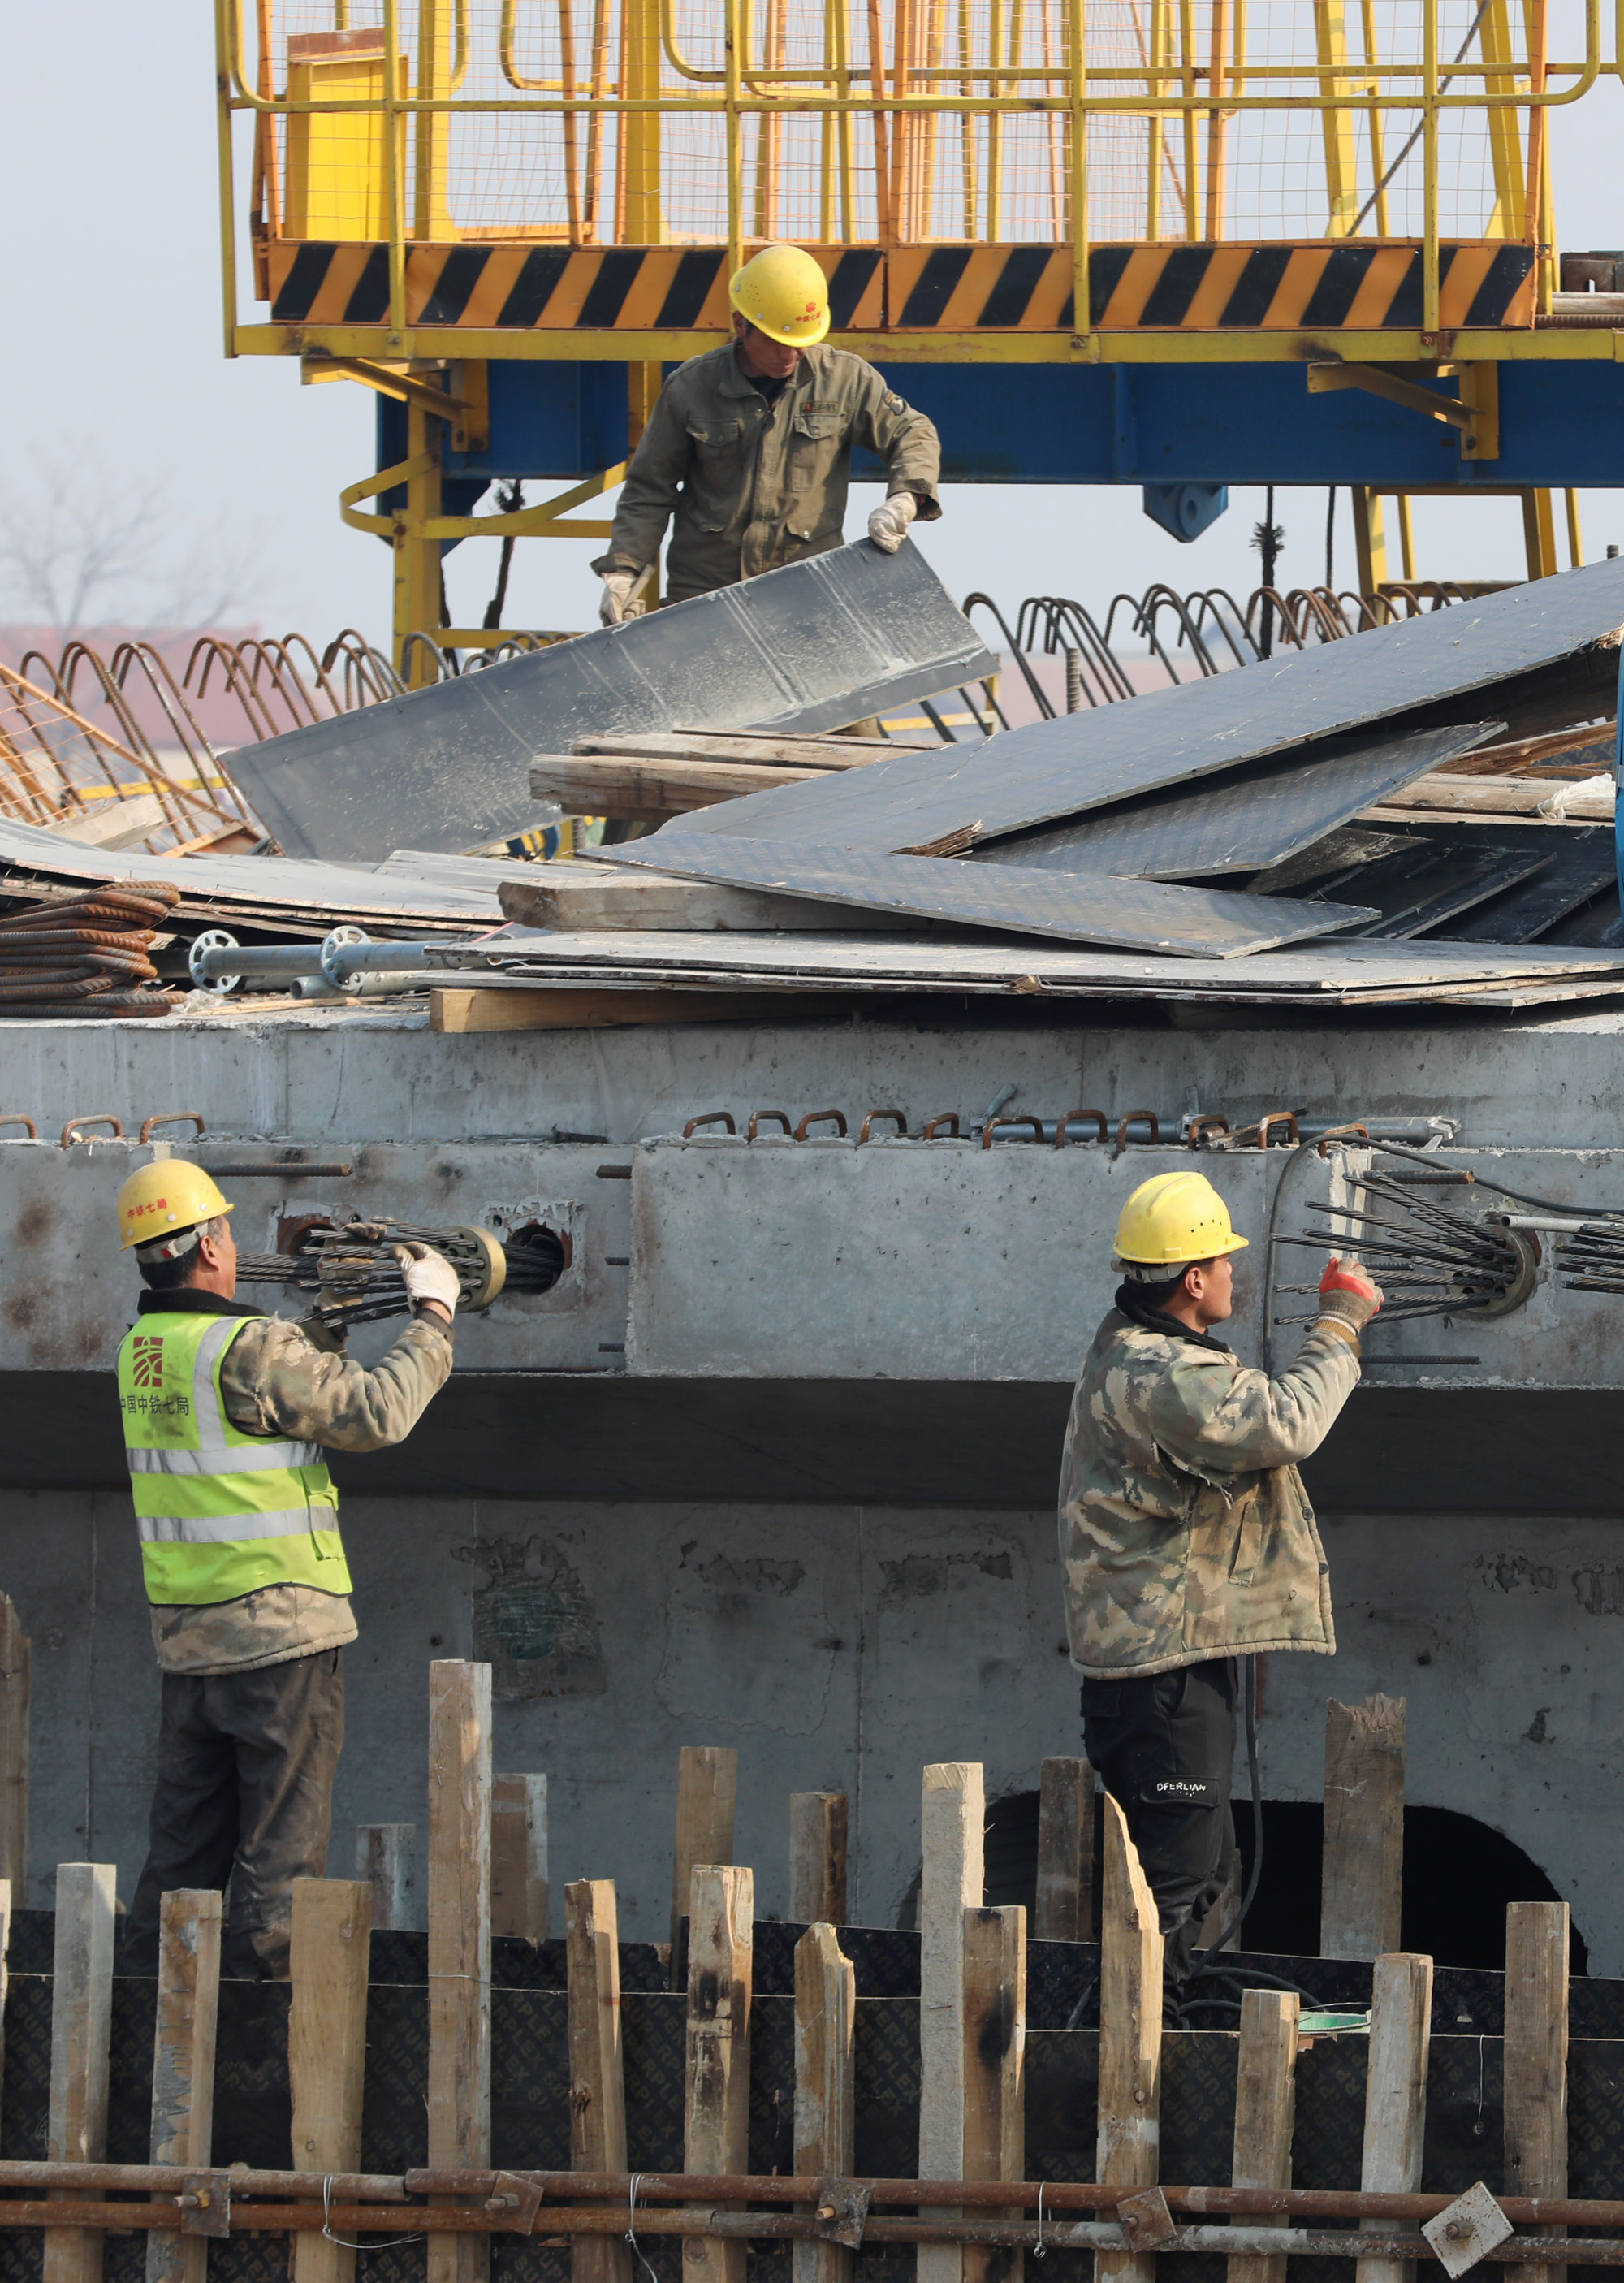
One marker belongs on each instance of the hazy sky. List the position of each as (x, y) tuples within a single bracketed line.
[(212, 479)]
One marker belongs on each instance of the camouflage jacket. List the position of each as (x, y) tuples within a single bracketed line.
[(750, 485), (294, 1380), (1185, 1530)]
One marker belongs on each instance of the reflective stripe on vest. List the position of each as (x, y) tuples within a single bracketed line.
[(221, 1512)]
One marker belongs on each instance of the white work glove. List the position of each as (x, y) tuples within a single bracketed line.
[(617, 605), (429, 1276), (888, 525)]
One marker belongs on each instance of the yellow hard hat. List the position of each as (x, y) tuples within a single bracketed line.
[(1175, 1218), (782, 292), (173, 1193)]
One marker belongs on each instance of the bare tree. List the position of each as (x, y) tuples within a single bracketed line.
[(80, 546)]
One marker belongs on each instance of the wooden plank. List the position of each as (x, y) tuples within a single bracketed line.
[(5, 1963), (521, 1902), (1265, 2108), (648, 792), (80, 2039), (189, 1931), (707, 1797), (1531, 752), (995, 2070), (1065, 1911), (386, 1859), (1130, 2132), (818, 1857), (597, 2079), (765, 748), (552, 1009), (825, 2082), (1535, 2062), (1362, 1864), (715, 2103), (1396, 2092), (15, 1668), (952, 1820), (327, 2046), (1078, 907), (459, 1944), (1584, 801), (564, 894)]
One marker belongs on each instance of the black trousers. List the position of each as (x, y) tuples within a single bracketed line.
[(243, 1797), (1164, 1748)]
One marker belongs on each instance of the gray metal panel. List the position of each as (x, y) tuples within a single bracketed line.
[(809, 647), (1500, 646), (260, 880), (1243, 823), (1086, 907)]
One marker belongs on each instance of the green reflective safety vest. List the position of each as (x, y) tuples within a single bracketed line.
[(221, 1512)]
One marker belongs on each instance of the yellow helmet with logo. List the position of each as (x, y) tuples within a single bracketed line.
[(783, 293), (161, 1198), (1173, 1219)]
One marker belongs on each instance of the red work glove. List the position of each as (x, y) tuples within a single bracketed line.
[(1347, 1293)]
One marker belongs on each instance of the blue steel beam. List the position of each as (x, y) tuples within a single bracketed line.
[(1561, 424)]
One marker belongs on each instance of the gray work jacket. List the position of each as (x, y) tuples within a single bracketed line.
[(748, 484)]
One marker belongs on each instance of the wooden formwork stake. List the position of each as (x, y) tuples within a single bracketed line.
[(5, 1963), (597, 2079), (1535, 2061), (995, 2070), (80, 2043), (818, 1857), (327, 2046), (386, 1859), (1363, 1867), (14, 1684), (1128, 2145), (707, 1797), (1396, 2091), (952, 1822), (1265, 2108), (189, 1929), (716, 2107), (1065, 1911), (459, 1944), (825, 2080), (521, 1899)]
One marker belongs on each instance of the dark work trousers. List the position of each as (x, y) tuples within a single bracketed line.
[(1164, 1748), (245, 1767)]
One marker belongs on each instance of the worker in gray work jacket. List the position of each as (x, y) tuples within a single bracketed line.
[(748, 453)]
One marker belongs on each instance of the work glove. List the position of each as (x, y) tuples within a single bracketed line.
[(429, 1275), (1347, 1292), (617, 605), (888, 525)]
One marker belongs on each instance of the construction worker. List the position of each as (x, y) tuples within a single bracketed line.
[(1187, 1541), (748, 448), (226, 1414)]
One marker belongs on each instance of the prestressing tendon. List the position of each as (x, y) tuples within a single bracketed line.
[(809, 647)]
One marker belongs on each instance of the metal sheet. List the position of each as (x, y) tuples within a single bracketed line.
[(1549, 642), (809, 647), (262, 881), (1437, 883), (1078, 907), (1243, 822), (1581, 869)]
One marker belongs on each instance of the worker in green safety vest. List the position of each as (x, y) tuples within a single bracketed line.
[(227, 1412)]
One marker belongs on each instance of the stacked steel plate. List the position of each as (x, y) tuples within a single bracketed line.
[(87, 955)]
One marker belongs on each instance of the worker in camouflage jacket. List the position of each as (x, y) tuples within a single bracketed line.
[(226, 1412), (748, 452), (1186, 1537)]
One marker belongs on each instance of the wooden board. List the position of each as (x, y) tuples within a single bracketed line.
[(597, 2075), (817, 1826), (1492, 795), (1128, 2150), (566, 1009), (648, 790), (1065, 1852), (327, 2046), (569, 895), (995, 2070), (1535, 656), (81, 2051), (716, 2107), (184, 2042), (952, 1818), (825, 2084), (520, 1903), (1265, 2099), (459, 1944), (1537, 1936), (1362, 1868), (1396, 2093), (761, 747), (707, 1804), (1125, 915), (386, 1859), (15, 1670)]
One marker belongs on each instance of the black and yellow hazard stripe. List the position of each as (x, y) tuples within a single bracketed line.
[(1364, 287)]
